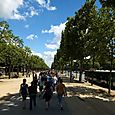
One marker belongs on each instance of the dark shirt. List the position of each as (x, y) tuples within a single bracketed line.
[(32, 90), (24, 89)]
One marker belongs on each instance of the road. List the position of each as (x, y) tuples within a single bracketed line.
[(82, 99)]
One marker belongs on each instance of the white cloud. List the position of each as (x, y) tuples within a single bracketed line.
[(31, 37), (33, 11), (27, 26), (21, 9), (37, 53), (51, 46), (47, 56), (54, 44), (45, 4), (9, 9), (50, 53), (56, 30), (45, 31)]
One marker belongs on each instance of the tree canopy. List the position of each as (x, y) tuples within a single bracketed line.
[(89, 33), (13, 53)]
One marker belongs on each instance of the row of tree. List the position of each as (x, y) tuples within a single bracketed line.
[(14, 55), (88, 39)]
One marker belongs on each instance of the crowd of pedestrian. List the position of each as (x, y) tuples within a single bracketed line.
[(48, 83)]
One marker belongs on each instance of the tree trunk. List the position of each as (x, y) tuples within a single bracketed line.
[(93, 70), (6, 70), (70, 70), (81, 70), (33, 74), (23, 71), (62, 68), (109, 83), (110, 77), (17, 71), (9, 72)]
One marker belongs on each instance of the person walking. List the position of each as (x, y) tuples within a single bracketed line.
[(48, 92), (32, 94), (61, 91), (55, 79), (41, 86), (24, 92), (35, 82)]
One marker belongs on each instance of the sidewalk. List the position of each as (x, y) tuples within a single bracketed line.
[(82, 99), (11, 86), (85, 89)]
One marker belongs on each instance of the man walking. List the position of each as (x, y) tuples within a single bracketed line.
[(32, 93), (24, 92)]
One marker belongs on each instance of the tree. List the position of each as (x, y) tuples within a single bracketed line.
[(108, 3), (13, 53)]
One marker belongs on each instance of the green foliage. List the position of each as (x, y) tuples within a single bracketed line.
[(107, 3), (14, 54), (90, 32)]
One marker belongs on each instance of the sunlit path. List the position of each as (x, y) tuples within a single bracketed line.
[(69, 39), (10, 86), (74, 103)]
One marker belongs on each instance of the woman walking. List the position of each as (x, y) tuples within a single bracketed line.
[(48, 92)]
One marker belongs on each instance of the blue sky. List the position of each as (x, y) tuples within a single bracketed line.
[(39, 22)]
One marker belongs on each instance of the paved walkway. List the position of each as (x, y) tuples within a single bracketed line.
[(81, 100)]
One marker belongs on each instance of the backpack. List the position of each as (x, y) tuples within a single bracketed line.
[(23, 89), (48, 91), (61, 89)]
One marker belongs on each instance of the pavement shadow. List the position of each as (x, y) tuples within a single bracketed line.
[(86, 92), (11, 102), (78, 102), (89, 106), (12, 105)]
